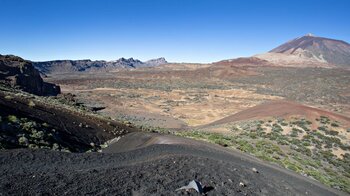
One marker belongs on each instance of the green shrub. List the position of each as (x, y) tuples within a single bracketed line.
[(294, 132), (292, 165), (12, 118), (28, 126), (37, 134), (55, 146), (324, 120), (8, 97), (276, 128), (317, 175), (245, 146), (31, 103), (33, 146), (282, 142), (223, 143), (234, 129), (266, 157), (294, 141), (253, 135), (284, 124), (302, 123), (327, 155), (311, 162), (304, 150), (23, 141), (334, 124), (344, 147), (280, 120), (328, 132), (268, 147)]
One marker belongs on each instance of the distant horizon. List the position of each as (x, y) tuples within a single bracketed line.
[(143, 60), (192, 31)]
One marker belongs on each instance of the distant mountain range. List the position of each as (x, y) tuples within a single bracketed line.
[(70, 66), (305, 51)]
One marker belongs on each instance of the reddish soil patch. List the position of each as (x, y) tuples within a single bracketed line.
[(250, 61), (282, 108)]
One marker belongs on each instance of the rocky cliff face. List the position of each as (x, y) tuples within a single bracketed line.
[(69, 66), (16, 72)]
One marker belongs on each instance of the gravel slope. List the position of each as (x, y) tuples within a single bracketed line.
[(156, 169)]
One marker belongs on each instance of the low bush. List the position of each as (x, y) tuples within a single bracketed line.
[(12, 119), (276, 128), (334, 124)]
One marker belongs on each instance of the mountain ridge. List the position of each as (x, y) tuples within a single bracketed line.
[(87, 65)]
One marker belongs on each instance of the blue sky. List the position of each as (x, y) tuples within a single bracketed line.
[(179, 30)]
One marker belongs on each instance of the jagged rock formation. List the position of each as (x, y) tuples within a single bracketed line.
[(156, 62), (69, 66), (17, 72)]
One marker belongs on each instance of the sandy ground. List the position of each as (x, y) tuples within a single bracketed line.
[(154, 169), (197, 94), (191, 107)]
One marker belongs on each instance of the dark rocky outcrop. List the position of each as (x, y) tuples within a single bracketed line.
[(17, 72)]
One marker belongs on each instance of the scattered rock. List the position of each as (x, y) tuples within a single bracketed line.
[(241, 184), (192, 185), (255, 170)]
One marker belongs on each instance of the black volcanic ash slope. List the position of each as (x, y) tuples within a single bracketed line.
[(152, 170)]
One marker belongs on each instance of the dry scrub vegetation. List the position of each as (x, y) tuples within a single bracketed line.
[(189, 98), (322, 153)]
